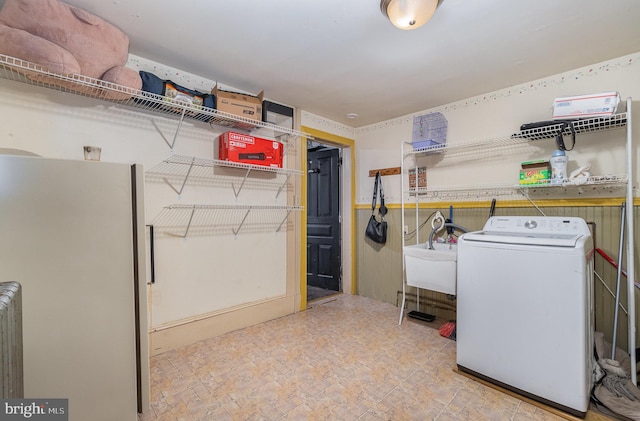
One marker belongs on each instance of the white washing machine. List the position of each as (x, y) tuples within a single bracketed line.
[(525, 308)]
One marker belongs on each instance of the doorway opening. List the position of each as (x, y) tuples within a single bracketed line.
[(346, 188), (324, 220)]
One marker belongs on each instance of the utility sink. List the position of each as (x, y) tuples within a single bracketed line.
[(433, 269)]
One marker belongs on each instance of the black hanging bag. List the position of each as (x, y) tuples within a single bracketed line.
[(377, 230)]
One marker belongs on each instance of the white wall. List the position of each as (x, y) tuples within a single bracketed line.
[(199, 275), (500, 114)]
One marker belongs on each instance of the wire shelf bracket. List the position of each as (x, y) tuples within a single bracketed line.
[(184, 182), (284, 220), (244, 179), (175, 135), (283, 185), (186, 231), (236, 231)]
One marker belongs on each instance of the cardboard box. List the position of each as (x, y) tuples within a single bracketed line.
[(241, 105), (584, 106), (535, 172), (247, 149)]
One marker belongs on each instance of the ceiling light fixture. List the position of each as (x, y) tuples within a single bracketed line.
[(408, 14)]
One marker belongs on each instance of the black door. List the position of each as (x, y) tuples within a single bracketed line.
[(323, 219)]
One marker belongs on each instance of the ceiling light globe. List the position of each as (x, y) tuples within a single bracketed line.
[(408, 14)]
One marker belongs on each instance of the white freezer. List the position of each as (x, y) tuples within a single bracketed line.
[(72, 232)]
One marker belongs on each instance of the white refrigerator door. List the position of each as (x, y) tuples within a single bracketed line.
[(66, 234)]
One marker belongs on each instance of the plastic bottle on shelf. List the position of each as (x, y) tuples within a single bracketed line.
[(558, 163)]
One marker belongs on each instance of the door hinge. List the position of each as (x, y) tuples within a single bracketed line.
[(340, 161)]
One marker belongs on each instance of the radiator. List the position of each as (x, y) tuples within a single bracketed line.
[(11, 375)]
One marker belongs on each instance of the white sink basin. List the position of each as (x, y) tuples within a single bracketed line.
[(431, 269)]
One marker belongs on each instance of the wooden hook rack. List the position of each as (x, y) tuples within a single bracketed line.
[(385, 171)]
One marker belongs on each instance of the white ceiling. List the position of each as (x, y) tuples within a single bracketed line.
[(334, 57)]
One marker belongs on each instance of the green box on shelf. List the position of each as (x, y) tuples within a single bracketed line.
[(535, 172)]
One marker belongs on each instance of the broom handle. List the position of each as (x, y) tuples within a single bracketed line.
[(617, 311)]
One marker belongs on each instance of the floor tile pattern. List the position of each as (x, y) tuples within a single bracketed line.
[(345, 358)]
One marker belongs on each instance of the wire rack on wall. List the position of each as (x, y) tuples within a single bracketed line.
[(594, 185), (182, 220), (463, 192), (15, 69), (523, 137), (605, 186), (582, 126), (178, 171)]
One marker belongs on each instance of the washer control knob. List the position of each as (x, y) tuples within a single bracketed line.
[(530, 224)]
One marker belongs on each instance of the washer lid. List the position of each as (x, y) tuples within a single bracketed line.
[(539, 239)]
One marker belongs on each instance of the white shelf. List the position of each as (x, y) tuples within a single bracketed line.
[(604, 181), (589, 125), (594, 184), (32, 74), (181, 220), (462, 192), (174, 162), (178, 171)]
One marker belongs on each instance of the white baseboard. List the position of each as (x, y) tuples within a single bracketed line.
[(165, 339)]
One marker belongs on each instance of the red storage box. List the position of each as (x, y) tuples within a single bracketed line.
[(247, 149)]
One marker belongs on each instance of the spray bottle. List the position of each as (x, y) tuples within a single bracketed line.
[(558, 163)]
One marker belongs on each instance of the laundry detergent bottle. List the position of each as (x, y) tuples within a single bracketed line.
[(558, 163)]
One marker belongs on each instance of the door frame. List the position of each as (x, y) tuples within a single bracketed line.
[(347, 210)]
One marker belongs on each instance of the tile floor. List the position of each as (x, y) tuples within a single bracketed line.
[(345, 358)]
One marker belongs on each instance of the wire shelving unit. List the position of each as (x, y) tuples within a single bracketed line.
[(18, 70), (178, 171), (180, 220), (593, 184)]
